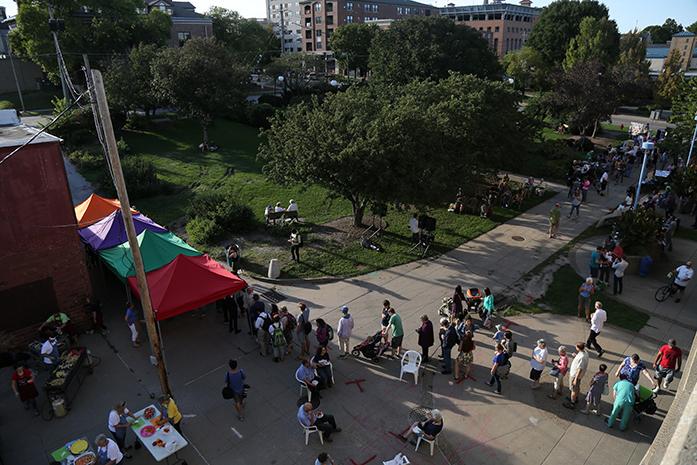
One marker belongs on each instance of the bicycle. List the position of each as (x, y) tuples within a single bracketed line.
[(663, 293)]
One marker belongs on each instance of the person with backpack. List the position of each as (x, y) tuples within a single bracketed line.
[(289, 324), (278, 338), (449, 340), (262, 324), (324, 333), (234, 387), (344, 330)]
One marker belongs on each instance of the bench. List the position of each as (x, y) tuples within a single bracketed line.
[(284, 216)]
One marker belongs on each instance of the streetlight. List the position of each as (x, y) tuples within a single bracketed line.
[(646, 147), (692, 145)]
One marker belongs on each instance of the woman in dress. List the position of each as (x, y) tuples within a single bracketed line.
[(465, 357), (24, 387)]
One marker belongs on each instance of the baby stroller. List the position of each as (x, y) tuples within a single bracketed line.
[(473, 299), (644, 402), (372, 347)]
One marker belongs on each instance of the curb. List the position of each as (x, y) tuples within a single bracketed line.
[(297, 281)]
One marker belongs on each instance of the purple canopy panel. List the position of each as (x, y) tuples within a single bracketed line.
[(111, 231)]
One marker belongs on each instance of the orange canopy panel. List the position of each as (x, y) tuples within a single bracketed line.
[(94, 209)]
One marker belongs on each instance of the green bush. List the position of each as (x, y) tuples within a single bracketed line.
[(6, 105), (223, 211), (140, 176), (123, 147), (203, 230), (84, 160), (257, 115), (76, 127), (639, 229)]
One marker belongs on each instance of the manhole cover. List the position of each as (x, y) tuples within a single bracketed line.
[(518, 238)]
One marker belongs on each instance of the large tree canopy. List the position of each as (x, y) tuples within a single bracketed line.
[(254, 43), (351, 45), (671, 78), (560, 22), (597, 40), (129, 80), (526, 67), (663, 33), (99, 27), (633, 68), (201, 79), (416, 145), (429, 47), (684, 110)]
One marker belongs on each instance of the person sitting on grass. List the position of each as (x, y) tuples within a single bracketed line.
[(428, 429)]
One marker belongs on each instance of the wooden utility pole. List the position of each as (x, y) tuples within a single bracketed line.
[(113, 153)]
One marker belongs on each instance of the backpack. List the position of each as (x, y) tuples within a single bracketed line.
[(330, 331), (291, 322), (277, 337)]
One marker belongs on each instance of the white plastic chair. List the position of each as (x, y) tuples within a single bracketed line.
[(431, 442), (309, 430), (411, 361), (398, 459), (304, 386)]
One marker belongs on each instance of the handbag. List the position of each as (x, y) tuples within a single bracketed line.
[(227, 392), (554, 372)]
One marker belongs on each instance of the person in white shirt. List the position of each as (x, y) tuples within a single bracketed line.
[(579, 366), (603, 182), (108, 452), (414, 228), (49, 351), (598, 319), (118, 424), (538, 362), (683, 274), (619, 266), (292, 206), (344, 330), (279, 208)]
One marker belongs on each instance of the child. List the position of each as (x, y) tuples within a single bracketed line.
[(499, 334), (597, 386), (561, 366)]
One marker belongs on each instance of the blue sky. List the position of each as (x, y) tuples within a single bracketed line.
[(627, 13)]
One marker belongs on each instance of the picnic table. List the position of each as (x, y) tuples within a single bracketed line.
[(152, 431), (76, 452)]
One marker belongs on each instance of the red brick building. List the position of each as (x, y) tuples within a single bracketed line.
[(43, 261)]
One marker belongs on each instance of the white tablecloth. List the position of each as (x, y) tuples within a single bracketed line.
[(158, 453)]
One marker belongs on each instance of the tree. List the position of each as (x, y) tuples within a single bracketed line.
[(560, 22), (246, 38), (294, 68), (662, 34), (671, 78), (526, 67), (597, 40), (584, 95), (201, 79), (692, 28), (109, 26), (429, 47), (129, 80), (351, 45), (684, 110), (369, 145), (632, 68)]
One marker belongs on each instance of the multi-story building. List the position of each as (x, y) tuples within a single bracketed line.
[(319, 18), (505, 26), (186, 23), (686, 45), (284, 15)]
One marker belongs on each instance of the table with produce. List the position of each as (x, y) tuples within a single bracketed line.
[(77, 452), (158, 435), (67, 377)]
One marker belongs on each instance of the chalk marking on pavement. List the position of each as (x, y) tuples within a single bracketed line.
[(198, 452), (204, 375), (189, 415), (236, 432)]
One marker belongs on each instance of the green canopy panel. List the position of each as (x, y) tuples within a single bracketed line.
[(157, 250)]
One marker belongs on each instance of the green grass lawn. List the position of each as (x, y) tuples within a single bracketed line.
[(687, 232), (562, 298)]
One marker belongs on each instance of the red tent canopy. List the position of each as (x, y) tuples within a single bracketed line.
[(187, 283)]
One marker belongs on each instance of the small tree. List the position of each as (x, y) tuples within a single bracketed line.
[(670, 80), (597, 40), (243, 37), (684, 110), (129, 81), (351, 45), (202, 80), (526, 67), (632, 68), (663, 33)]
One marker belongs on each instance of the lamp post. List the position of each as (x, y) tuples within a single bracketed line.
[(692, 145), (646, 147)]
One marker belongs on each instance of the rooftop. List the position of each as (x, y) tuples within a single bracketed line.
[(491, 8), (684, 34), (13, 133), (661, 51)]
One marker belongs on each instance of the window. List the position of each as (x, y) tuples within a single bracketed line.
[(497, 15), (318, 7), (318, 20), (374, 8), (183, 37), (318, 46), (318, 34), (308, 22), (308, 46), (366, 7), (400, 10), (349, 7), (330, 7), (488, 29), (496, 29), (329, 33), (349, 19), (496, 43), (308, 34), (330, 19)]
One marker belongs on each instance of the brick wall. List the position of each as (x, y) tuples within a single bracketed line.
[(39, 241)]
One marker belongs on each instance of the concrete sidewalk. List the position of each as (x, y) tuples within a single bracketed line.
[(518, 427)]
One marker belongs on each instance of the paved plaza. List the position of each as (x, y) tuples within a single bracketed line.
[(521, 426)]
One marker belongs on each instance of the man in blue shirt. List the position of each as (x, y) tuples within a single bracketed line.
[(325, 423), (132, 321), (595, 262), (306, 374)]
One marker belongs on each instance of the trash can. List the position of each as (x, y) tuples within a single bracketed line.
[(274, 269), (58, 405), (645, 266)]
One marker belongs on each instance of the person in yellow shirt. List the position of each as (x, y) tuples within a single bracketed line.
[(171, 412)]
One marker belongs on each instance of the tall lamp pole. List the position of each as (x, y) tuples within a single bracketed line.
[(692, 145), (647, 147)]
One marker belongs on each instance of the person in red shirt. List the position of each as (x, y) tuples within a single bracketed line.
[(24, 388), (667, 362)]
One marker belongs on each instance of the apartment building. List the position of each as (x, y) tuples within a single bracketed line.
[(686, 45), (504, 25), (319, 18), (284, 15)]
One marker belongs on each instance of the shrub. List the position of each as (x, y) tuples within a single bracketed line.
[(639, 229), (203, 230), (84, 160), (273, 100), (141, 179), (76, 127), (257, 115), (6, 105), (219, 209), (123, 147)]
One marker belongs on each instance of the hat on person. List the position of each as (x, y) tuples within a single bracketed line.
[(292, 201), (344, 309), (540, 341)]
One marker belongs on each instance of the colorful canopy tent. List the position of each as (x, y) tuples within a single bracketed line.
[(111, 231), (186, 284), (94, 209), (157, 249)]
